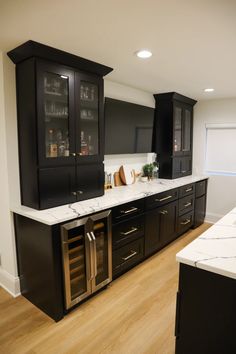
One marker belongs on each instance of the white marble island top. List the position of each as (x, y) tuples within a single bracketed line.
[(111, 198), (215, 249)]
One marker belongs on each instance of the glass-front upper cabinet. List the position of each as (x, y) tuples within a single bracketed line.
[(56, 114), (182, 129), (88, 91), (177, 141), (187, 130)]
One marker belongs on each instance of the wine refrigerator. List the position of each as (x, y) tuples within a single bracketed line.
[(87, 256)]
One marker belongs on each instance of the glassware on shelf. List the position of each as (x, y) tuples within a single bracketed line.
[(90, 145), (67, 146), (84, 145), (52, 145)]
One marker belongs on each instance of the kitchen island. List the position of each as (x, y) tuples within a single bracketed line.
[(206, 299)]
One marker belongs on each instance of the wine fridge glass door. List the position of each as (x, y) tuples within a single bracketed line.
[(101, 235)]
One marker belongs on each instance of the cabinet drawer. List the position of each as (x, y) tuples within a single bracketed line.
[(185, 222), (186, 204), (125, 211), (127, 231), (186, 190), (200, 188), (127, 256), (160, 199)]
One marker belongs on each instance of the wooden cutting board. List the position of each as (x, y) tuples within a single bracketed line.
[(117, 180)]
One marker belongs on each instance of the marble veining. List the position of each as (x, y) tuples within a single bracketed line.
[(111, 198), (215, 249)]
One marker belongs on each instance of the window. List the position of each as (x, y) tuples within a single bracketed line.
[(220, 149)]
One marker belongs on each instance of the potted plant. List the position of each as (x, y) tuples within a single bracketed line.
[(148, 170)]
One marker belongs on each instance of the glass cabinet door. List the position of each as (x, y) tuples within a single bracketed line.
[(187, 124), (76, 261), (88, 140), (177, 134), (55, 94), (102, 240)]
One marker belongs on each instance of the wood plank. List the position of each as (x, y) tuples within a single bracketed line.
[(134, 315)]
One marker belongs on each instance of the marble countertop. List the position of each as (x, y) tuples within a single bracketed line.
[(215, 249), (111, 198)]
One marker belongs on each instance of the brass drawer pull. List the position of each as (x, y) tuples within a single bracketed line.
[(165, 198), (163, 212), (133, 229), (131, 210), (189, 189), (187, 204), (187, 221), (133, 253)]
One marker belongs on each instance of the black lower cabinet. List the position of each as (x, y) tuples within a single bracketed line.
[(205, 313), (57, 186), (40, 265), (200, 203), (69, 184), (182, 166), (160, 227), (127, 256), (90, 181), (128, 232)]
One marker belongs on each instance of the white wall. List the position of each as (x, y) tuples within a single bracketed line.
[(221, 189), (8, 269)]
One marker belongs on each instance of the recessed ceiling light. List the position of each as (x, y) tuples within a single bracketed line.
[(209, 90), (144, 53)]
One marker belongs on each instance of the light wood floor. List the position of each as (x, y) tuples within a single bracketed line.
[(134, 315)]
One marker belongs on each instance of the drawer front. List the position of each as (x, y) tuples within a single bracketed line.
[(125, 211), (186, 204), (200, 188), (160, 199), (127, 256), (185, 222), (127, 231), (186, 190)]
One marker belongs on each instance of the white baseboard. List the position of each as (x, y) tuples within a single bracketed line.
[(213, 218), (10, 283)]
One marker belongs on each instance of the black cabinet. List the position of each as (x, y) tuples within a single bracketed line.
[(173, 129), (60, 125), (160, 227), (200, 203), (205, 312), (128, 231)]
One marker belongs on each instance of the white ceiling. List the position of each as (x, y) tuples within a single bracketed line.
[(193, 41)]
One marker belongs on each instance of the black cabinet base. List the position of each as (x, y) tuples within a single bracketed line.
[(205, 316), (39, 265)]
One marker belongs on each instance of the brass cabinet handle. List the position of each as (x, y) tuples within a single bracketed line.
[(79, 153), (133, 253), (189, 189), (163, 212), (131, 210), (133, 229), (165, 198), (74, 193), (187, 221), (79, 192), (73, 154), (183, 171), (187, 204)]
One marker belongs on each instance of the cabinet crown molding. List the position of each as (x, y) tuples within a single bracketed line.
[(31, 49)]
